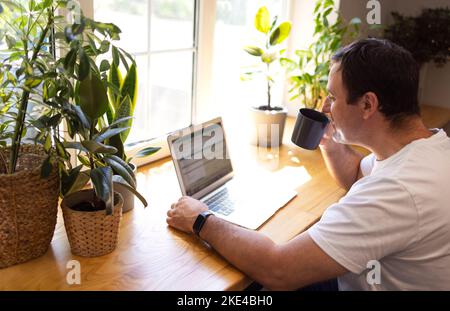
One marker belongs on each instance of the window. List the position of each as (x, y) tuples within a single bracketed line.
[(190, 57), (161, 34)]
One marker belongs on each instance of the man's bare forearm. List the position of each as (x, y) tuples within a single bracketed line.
[(250, 251), (343, 163)]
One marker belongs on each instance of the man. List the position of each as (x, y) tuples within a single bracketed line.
[(397, 210)]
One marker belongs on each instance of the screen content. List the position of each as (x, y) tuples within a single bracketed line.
[(202, 157)]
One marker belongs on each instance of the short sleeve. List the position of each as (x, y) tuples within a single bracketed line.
[(367, 164), (375, 219)]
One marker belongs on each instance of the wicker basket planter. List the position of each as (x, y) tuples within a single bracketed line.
[(91, 234), (28, 207)]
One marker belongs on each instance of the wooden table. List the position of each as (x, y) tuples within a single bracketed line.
[(152, 256)]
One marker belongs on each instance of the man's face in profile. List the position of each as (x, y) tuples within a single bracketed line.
[(345, 118)]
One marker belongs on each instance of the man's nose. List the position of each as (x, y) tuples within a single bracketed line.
[(326, 106)]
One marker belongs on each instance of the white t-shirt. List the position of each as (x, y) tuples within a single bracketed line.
[(397, 214)]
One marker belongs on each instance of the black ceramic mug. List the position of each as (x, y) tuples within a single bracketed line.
[(309, 128)]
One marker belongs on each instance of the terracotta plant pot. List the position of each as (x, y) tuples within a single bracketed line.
[(128, 196), (91, 234), (267, 127), (28, 207)]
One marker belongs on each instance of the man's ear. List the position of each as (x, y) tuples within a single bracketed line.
[(368, 104)]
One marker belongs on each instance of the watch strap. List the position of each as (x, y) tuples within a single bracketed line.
[(200, 222)]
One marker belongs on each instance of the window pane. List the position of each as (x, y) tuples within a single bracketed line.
[(131, 16), (170, 92), (172, 24)]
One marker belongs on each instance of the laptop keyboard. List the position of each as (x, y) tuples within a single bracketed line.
[(220, 202)]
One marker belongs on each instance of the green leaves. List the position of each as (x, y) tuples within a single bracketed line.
[(125, 110), (93, 97), (121, 168), (312, 67), (253, 50), (262, 20), (120, 182), (84, 66), (102, 179), (96, 147), (69, 60), (147, 152), (46, 168), (74, 180), (280, 33), (104, 65), (109, 133)]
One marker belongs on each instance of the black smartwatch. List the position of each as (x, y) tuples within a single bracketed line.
[(200, 221)]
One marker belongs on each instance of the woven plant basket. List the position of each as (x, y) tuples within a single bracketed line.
[(91, 234), (28, 207)]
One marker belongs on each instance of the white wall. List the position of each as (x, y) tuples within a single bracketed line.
[(435, 82)]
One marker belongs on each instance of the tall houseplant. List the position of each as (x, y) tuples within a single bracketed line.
[(29, 183), (309, 71), (71, 89), (268, 121)]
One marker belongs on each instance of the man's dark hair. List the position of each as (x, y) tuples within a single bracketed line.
[(384, 68)]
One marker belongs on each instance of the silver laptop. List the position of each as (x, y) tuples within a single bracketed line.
[(204, 171)]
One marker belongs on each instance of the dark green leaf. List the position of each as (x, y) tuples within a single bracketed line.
[(102, 179), (74, 145), (117, 142), (104, 66), (147, 152), (119, 180), (125, 110), (115, 55), (96, 147), (82, 117), (101, 137), (93, 97), (123, 169), (74, 180), (46, 168), (84, 67), (124, 62), (69, 61)]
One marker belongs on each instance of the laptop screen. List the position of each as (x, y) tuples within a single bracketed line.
[(202, 157)]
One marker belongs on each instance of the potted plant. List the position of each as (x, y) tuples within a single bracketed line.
[(426, 36), (41, 91), (267, 118), (29, 183), (94, 125), (309, 73)]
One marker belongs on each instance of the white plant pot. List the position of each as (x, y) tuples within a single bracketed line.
[(267, 127), (128, 196)]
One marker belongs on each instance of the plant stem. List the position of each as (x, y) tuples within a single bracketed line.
[(91, 135), (18, 129), (268, 88)]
